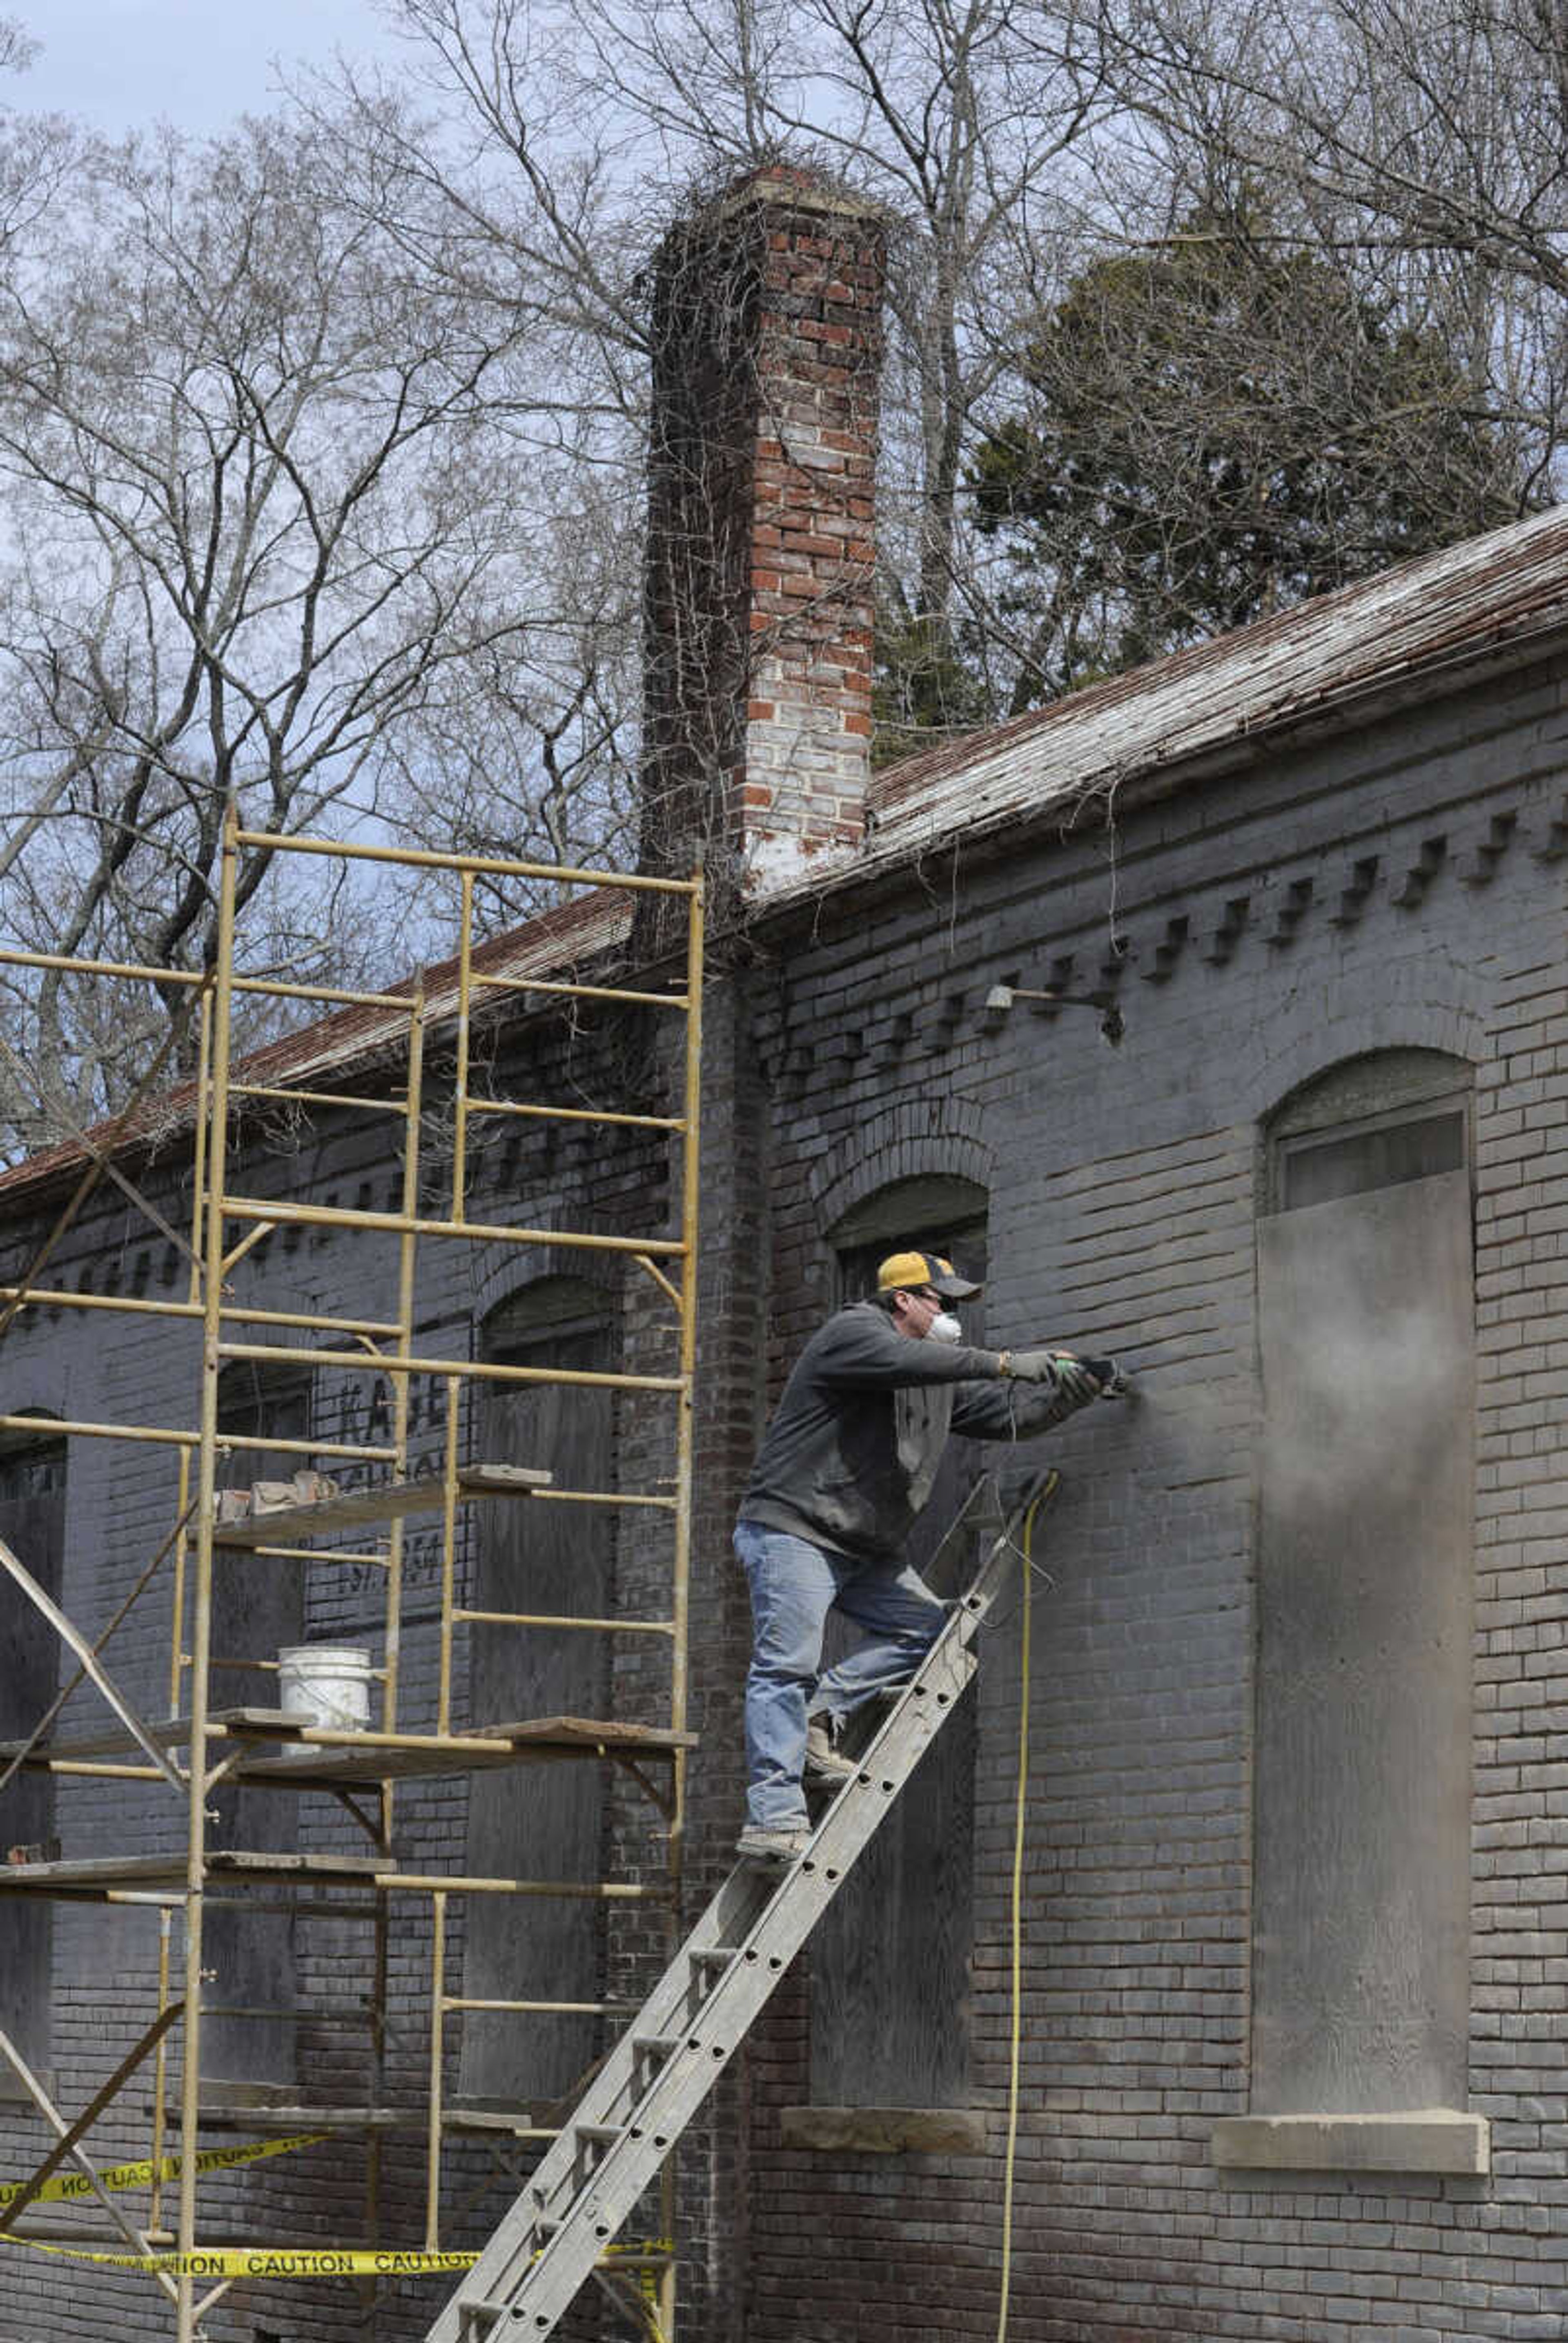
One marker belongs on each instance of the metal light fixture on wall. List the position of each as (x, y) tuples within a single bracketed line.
[(1000, 998)]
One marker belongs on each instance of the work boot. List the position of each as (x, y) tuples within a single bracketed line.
[(773, 1844), (827, 1767)]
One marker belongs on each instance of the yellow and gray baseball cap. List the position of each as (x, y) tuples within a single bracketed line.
[(901, 1273)]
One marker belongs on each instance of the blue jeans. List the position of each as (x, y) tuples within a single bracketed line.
[(794, 1585)]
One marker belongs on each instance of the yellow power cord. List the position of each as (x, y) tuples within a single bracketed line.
[(1043, 1495)]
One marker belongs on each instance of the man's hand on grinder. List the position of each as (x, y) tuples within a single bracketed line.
[(1079, 1379)]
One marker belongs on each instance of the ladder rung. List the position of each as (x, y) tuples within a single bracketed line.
[(713, 1956), (656, 2046), (480, 2317), (599, 2134)]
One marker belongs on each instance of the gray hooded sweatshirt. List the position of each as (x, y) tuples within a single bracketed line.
[(852, 1452)]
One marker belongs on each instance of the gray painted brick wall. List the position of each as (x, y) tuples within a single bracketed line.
[(852, 1050), (1123, 1199)]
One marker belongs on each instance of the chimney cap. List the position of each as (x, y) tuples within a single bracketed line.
[(803, 188)]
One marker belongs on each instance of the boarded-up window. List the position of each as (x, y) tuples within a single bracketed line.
[(257, 1606), (540, 1822), (32, 1525), (1361, 1980), (890, 1959)]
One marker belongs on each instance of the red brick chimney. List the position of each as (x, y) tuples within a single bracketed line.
[(766, 325)]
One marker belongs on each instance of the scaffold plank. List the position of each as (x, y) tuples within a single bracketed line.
[(335, 1761), (236, 2111), (228, 1865), (513, 2125), (311, 1755), (390, 1501)]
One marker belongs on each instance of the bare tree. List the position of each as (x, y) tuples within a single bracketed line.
[(528, 747), (1427, 142), (1014, 147), (36, 151), (261, 524), (322, 451), (955, 115)]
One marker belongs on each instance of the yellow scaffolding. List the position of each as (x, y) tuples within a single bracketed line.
[(243, 1746)]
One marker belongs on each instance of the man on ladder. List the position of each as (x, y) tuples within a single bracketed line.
[(843, 1472), (855, 1446)]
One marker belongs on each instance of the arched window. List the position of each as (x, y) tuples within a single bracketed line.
[(1366, 1296), (32, 1472), (891, 1958), (544, 1822)]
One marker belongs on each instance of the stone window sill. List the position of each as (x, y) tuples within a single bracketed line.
[(1422, 2139), (887, 2131)]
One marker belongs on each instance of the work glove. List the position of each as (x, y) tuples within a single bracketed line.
[(1070, 1375)]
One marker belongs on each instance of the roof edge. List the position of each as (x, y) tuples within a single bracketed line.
[(1154, 779)]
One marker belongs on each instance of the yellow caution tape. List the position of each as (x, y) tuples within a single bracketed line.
[(71, 2187), (303, 2261), (269, 2261), (648, 2302)]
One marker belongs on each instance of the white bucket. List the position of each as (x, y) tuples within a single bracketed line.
[(325, 1684)]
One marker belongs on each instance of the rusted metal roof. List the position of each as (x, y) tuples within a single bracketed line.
[(356, 1040), (1444, 611), (548, 946), (1408, 622)]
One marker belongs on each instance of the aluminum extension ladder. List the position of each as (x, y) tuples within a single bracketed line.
[(653, 2083)]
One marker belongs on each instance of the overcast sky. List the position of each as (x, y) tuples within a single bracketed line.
[(124, 65)]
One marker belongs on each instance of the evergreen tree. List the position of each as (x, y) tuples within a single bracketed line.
[(1217, 429)]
